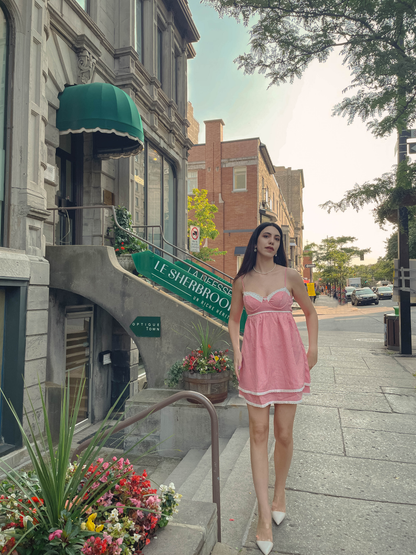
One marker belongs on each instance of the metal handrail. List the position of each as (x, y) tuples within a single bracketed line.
[(152, 245), (155, 246), (215, 450), (186, 252)]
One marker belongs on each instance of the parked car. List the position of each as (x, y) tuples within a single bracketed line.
[(384, 293), (348, 291), (363, 296)]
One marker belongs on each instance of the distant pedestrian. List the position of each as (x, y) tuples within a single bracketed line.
[(272, 367)]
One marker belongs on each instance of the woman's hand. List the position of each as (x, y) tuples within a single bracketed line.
[(312, 357), (238, 359)]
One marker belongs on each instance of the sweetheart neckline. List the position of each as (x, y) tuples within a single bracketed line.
[(256, 295)]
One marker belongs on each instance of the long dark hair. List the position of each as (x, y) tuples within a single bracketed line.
[(250, 256)]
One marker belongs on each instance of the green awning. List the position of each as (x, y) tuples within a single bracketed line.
[(106, 111)]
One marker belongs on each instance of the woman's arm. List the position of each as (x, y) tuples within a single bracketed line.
[(234, 323), (302, 298)]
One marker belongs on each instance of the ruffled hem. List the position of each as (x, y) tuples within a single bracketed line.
[(275, 397)]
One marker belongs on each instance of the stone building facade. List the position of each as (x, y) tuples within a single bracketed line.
[(240, 179), (140, 47)]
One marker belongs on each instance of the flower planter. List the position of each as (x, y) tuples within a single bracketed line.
[(126, 262), (213, 386)]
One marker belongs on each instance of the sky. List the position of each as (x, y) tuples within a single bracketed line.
[(294, 121)]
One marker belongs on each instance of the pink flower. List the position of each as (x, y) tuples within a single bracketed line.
[(57, 534)]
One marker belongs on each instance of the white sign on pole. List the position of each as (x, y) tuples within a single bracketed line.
[(194, 235)]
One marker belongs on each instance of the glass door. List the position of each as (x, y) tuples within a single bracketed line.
[(78, 349)]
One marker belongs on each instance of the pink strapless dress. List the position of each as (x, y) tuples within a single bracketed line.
[(274, 365)]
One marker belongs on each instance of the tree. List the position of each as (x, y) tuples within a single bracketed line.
[(333, 258), (203, 216)]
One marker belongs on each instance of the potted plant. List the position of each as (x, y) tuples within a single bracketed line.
[(125, 244), (205, 369)]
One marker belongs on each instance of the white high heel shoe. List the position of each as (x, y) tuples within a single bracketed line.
[(278, 517), (264, 546)]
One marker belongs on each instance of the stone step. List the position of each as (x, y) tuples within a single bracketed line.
[(227, 461), (185, 468), (194, 480), (238, 498)]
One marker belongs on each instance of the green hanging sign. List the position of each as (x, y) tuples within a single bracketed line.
[(214, 300), (211, 279)]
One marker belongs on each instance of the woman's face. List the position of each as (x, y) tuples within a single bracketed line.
[(268, 241)]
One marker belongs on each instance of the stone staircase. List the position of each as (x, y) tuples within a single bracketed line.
[(192, 479)]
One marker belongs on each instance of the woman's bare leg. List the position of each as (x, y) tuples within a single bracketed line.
[(259, 435), (284, 417)]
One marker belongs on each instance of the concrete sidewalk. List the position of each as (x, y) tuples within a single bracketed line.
[(351, 489)]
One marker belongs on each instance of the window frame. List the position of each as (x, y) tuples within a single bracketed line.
[(188, 179), (7, 133), (140, 54), (159, 53), (87, 6), (238, 170)]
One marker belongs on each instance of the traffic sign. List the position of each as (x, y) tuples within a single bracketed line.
[(194, 235), (310, 265)]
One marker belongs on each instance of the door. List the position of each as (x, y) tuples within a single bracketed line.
[(78, 359), (69, 161)]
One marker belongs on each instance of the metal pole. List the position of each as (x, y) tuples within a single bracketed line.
[(405, 323)]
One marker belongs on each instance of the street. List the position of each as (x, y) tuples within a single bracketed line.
[(348, 318)]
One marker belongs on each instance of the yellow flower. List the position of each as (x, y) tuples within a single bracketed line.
[(83, 526), (99, 528), (90, 522), (216, 359)]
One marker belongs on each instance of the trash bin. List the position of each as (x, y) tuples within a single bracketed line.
[(391, 332), (396, 310)]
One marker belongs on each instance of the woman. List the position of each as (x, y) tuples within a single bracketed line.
[(272, 367)]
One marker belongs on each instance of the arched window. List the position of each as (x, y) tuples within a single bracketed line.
[(3, 95)]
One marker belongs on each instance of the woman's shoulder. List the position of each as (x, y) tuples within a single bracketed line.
[(293, 275)]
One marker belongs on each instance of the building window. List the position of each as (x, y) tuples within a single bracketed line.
[(175, 72), (159, 54), (192, 182), (139, 193), (240, 179), (138, 29), (85, 4), (3, 112)]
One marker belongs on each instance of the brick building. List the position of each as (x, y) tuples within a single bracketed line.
[(240, 179)]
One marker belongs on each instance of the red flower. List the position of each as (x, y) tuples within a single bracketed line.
[(122, 248)]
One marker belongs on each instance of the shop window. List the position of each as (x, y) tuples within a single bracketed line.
[(3, 113), (155, 197), (240, 179), (138, 29), (192, 182)]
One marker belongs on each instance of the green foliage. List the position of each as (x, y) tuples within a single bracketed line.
[(174, 374), (389, 192), (123, 242), (333, 258), (203, 216), (375, 38)]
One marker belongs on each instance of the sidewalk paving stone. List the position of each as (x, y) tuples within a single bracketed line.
[(324, 525), (387, 422), (350, 477), (377, 444), (367, 401), (318, 428), (401, 399), (382, 380)]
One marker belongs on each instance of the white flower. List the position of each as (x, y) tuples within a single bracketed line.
[(3, 540), (113, 515), (117, 527), (136, 537), (172, 486)]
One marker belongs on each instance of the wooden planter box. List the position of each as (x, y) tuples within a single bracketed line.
[(213, 386)]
